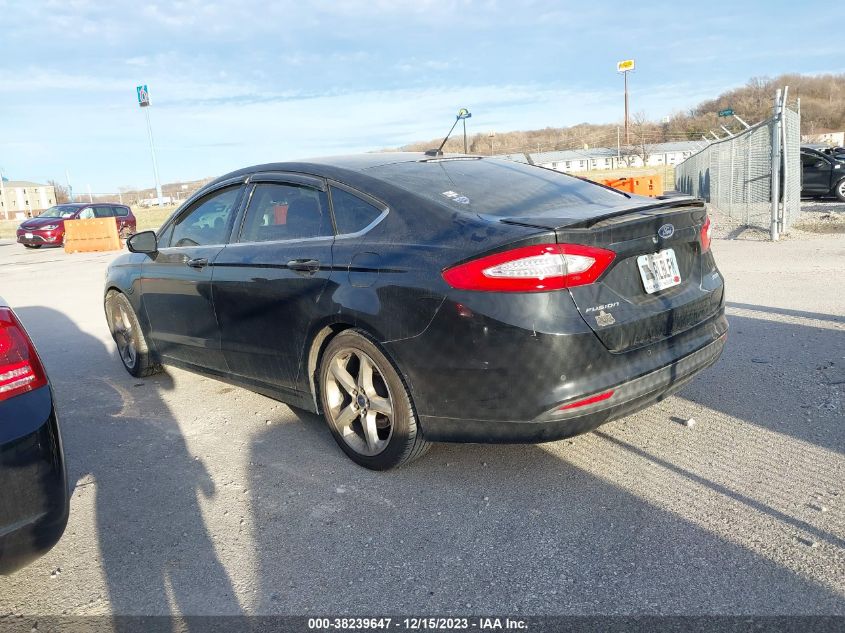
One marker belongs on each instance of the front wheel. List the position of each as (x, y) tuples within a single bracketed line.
[(126, 331), (840, 190), (367, 405)]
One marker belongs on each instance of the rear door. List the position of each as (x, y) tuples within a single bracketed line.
[(176, 281), (816, 172), (268, 282), (121, 215)]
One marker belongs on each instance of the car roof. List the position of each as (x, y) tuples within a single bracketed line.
[(87, 204), (335, 166)]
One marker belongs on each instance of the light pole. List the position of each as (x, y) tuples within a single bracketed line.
[(144, 102), (625, 67), (463, 115)]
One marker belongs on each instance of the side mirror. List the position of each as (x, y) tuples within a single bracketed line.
[(820, 164), (143, 242)]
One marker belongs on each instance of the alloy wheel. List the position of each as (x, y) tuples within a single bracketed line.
[(123, 336), (360, 405)]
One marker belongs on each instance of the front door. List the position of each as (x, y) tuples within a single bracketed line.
[(268, 282), (176, 281)]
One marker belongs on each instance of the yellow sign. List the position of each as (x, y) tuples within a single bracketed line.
[(625, 66)]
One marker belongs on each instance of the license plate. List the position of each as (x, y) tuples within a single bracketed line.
[(659, 270), (28, 236)]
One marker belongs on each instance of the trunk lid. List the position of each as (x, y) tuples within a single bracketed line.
[(617, 307)]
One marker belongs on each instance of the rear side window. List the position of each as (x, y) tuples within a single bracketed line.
[(499, 187), (103, 212), (286, 212), (121, 212), (351, 213)]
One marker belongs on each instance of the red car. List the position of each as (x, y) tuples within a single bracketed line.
[(49, 227)]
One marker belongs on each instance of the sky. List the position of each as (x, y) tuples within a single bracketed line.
[(240, 83)]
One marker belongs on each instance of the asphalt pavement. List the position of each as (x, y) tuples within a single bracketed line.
[(195, 497)]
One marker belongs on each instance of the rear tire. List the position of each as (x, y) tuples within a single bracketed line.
[(839, 190), (367, 405), (126, 331), (32, 245)]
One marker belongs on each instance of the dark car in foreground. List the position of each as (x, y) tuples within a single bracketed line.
[(49, 227), (34, 498), (822, 175), (412, 298)]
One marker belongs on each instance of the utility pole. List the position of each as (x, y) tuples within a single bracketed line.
[(3, 195), (492, 135), (69, 186), (625, 67), (144, 102), (618, 148)]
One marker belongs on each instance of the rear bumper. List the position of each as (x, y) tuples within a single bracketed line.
[(628, 397), (34, 500)]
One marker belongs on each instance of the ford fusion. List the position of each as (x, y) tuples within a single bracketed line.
[(412, 298), (33, 483)]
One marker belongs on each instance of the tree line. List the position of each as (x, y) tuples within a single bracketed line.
[(822, 99)]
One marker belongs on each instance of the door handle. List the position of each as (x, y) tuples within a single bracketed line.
[(199, 262), (309, 266)]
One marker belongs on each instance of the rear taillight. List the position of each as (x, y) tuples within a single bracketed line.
[(20, 368), (532, 269), (706, 232)]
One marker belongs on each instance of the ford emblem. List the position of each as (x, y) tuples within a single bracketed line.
[(666, 231)]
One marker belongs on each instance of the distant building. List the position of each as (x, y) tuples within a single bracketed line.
[(20, 198), (828, 138), (600, 158)]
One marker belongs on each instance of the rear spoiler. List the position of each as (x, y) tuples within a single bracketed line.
[(654, 206)]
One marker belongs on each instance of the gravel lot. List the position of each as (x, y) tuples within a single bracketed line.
[(196, 497)]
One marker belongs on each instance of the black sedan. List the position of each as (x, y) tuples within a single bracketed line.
[(822, 175), (412, 298), (33, 482)]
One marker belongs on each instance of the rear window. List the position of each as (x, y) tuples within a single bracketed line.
[(497, 187)]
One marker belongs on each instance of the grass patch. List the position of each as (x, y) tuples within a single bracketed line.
[(151, 218)]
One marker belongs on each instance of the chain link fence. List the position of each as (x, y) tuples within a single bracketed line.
[(734, 174)]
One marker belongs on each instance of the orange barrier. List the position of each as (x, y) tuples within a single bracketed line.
[(650, 186), (88, 236)]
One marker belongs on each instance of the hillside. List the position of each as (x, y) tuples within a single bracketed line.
[(822, 108)]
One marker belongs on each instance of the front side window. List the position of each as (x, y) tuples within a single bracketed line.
[(286, 212), (351, 213), (86, 214), (61, 211), (208, 220)]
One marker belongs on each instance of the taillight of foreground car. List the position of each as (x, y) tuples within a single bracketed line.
[(20, 368), (535, 268), (706, 233)]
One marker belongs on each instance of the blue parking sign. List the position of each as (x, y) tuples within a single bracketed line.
[(143, 96)]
